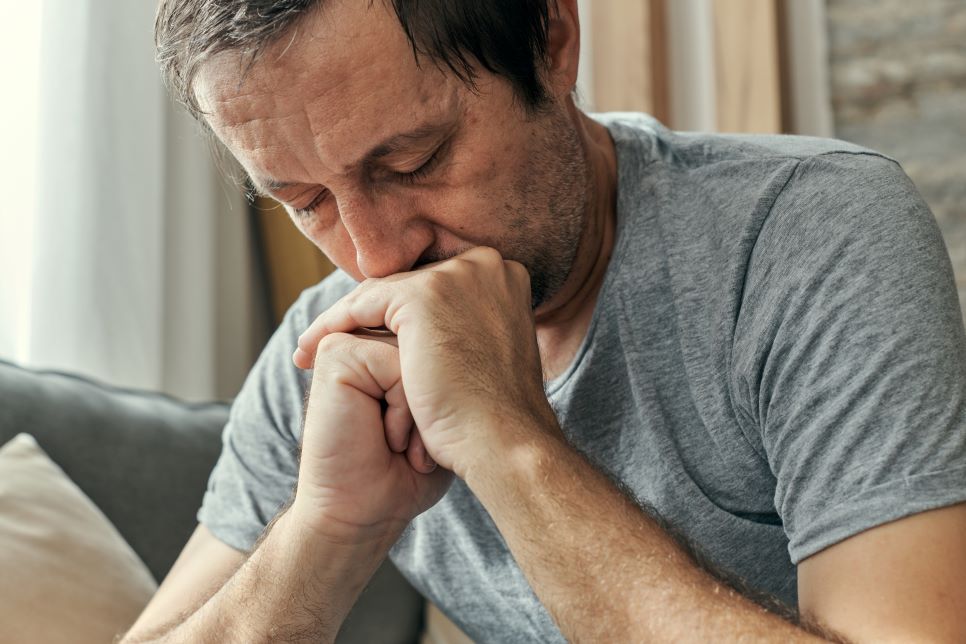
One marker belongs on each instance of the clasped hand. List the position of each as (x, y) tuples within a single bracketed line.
[(461, 381)]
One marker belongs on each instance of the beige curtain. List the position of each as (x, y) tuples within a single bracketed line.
[(140, 270), (713, 65)]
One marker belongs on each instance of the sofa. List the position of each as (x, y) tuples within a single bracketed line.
[(143, 459)]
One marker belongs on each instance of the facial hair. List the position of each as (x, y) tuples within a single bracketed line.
[(550, 207), (545, 211)]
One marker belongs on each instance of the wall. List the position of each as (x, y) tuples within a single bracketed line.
[(898, 77)]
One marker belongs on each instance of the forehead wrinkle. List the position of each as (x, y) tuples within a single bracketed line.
[(264, 125), (348, 102), (351, 97), (272, 139), (380, 125), (321, 87), (261, 135)]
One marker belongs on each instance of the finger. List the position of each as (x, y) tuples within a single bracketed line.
[(305, 360), (376, 303), (369, 365), (302, 359), (518, 272), (418, 457), (377, 335), (397, 419), (368, 306), (485, 255), (399, 428)]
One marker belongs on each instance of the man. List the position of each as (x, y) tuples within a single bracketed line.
[(558, 341)]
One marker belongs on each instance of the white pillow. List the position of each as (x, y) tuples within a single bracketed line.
[(66, 574)]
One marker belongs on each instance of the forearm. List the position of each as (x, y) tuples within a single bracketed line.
[(603, 568), (295, 587)]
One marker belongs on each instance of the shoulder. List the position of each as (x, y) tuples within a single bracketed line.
[(716, 183), (845, 178), (696, 149), (708, 163), (840, 203)]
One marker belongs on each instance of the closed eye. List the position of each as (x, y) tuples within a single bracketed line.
[(313, 206), (410, 178), (425, 169)]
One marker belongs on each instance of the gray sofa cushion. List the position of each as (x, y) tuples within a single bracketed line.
[(144, 459)]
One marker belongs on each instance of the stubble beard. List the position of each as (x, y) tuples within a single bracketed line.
[(551, 208), (546, 211)]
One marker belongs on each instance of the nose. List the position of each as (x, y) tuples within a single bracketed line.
[(387, 237)]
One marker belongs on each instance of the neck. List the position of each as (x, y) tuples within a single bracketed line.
[(576, 298), (562, 322)]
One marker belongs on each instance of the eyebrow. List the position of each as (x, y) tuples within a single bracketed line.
[(267, 187)]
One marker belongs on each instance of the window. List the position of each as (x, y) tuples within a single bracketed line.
[(20, 74)]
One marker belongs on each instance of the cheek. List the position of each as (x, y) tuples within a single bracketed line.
[(307, 226), (474, 201), (466, 213)]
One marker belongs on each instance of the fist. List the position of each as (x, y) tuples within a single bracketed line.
[(467, 351), (364, 470)]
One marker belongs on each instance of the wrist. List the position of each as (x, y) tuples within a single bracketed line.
[(305, 522), (292, 584), (512, 448)]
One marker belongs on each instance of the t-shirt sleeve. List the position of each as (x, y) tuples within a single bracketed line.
[(255, 474), (850, 352)]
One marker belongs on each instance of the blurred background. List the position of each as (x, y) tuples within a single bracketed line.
[(129, 253)]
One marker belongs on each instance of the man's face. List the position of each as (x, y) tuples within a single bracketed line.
[(386, 166)]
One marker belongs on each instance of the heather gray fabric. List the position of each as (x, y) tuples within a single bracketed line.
[(776, 362)]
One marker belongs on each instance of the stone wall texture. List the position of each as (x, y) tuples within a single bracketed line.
[(898, 70)]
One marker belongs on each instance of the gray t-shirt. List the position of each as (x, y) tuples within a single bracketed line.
[(776, 362)]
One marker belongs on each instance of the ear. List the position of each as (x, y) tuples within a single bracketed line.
[(563, 47)]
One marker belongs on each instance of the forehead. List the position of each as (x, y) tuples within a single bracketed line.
[(343, 78)]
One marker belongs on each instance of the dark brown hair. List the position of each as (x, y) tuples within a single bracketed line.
[(506, 37)]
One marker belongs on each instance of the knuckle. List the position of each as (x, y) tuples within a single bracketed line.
[(488, 255), (517, 269), (435, 282), (332, 343), (519, 273), (365, 285), (357, 351), (460, 262)]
